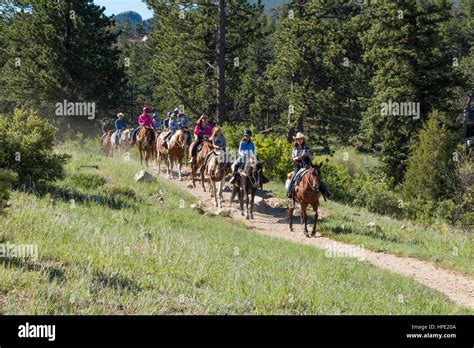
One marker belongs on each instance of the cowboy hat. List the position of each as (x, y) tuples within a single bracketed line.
[(120, 114), (300, 135)]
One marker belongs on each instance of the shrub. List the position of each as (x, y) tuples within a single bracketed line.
[(338, 180), (379, 199), (121, 191), (27, 147), (446, 210), (7, 177), (86, 181), (275, 152)]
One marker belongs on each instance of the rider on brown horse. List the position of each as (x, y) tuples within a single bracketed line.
[(144, 120), (202, 131), (302, 157)]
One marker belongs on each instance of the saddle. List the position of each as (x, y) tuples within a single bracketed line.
[(297, 180), (299, 175), (201, 145)]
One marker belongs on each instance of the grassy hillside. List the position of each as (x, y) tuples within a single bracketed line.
[(119, 248), (441, 243)]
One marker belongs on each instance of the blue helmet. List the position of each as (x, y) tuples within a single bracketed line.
[(248, 132)]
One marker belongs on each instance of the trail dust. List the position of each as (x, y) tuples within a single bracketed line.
[(272, 221)]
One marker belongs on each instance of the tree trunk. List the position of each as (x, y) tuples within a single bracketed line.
[(221, 64)]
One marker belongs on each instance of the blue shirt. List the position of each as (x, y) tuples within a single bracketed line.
[(247, 149), (183, 121), (173, 125), (219, 141), (119, 124), (157, 123)]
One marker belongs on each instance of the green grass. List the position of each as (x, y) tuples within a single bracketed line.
[(440, 243), (127, 253)]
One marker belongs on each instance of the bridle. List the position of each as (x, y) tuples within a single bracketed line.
[(314, 187), (254, 175)]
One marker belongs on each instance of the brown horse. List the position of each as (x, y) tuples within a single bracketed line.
[(307, 193), (146, 144), (173, 154), (248, 181), (217, 167), (107, 147), (206, 147)]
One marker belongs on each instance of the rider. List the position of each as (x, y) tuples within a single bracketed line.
[(166, 121), (183, 120), (107, 126), (156, 121), (218, 142), (120, 124), (302, 156), (246, 151), (172, 128), (203, 130), (144, 120)]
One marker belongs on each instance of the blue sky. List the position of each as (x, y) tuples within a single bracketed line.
[(117, 6)]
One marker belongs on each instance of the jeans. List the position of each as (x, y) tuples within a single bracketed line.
[(135, 131)]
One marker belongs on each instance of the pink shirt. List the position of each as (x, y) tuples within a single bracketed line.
[(207, 130), (145, 120)]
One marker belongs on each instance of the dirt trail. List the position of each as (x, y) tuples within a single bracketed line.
[(272, 222)]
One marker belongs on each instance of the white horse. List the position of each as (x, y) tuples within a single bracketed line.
[(123, 145)]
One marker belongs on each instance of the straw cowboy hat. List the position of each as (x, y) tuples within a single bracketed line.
[(120, 114), (300, 135)]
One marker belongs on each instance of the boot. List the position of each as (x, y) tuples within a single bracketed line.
[(234, 177), (325, 191)]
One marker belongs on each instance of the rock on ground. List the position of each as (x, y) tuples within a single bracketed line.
[(144, 176)]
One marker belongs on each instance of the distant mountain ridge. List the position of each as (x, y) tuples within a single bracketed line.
[(132, 18), (271, 5)]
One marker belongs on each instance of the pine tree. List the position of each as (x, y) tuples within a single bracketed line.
[(317, 62), (185, 55), (60, 50), (405, 44), (431, 166)]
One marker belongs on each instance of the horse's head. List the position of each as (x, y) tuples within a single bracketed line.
[(254, 170), (315, 175), (126, 135)]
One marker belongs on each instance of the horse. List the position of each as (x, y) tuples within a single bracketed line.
[(107, 144), (173, 154), (206, 146), (123, 144), (146, 144), (248, 180), (307, 192), (217, 167)]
